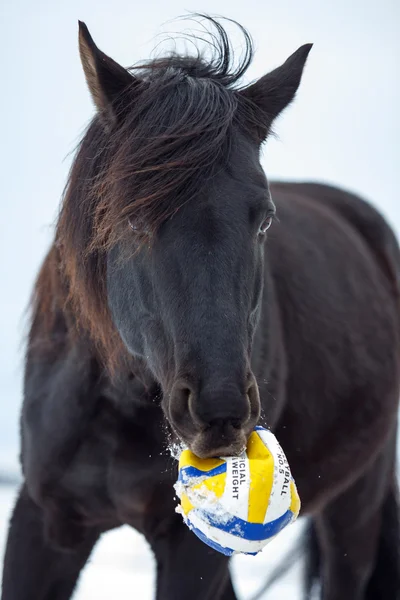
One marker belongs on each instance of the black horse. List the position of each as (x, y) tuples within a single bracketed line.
[(161, 312)]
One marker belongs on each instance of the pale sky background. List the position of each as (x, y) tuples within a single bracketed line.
[(343, 128)]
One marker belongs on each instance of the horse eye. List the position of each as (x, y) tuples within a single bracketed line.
[(265, 225)]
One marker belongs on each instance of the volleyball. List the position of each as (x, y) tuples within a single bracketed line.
[(237, 504)]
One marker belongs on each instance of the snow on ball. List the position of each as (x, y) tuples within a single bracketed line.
[(237, 504)]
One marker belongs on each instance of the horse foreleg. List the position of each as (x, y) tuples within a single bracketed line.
[(186, 567), (349, 531), (60, 401), (33, 569)]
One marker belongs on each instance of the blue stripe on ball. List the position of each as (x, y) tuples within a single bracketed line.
[(188, 472), (211, 543), (246, 530), (214, 545)]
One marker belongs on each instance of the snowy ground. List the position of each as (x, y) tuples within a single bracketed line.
[(122, 565)]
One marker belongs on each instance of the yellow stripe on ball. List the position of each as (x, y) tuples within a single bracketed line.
[(215, 484), (261, 464), (295, 500), (188, 459), (186, 505)]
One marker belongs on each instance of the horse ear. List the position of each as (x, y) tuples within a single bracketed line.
[(106, 79), (274, 92)]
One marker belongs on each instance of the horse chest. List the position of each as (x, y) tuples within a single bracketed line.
[(121, 472)]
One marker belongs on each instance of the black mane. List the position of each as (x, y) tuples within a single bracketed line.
[(214, 56)]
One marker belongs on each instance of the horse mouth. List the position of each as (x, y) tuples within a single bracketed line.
[(213, 444)]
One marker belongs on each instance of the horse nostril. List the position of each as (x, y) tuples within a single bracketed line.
[(181, 399), (254, 400)]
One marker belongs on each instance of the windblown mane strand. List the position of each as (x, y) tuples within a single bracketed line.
[(174, 131)]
